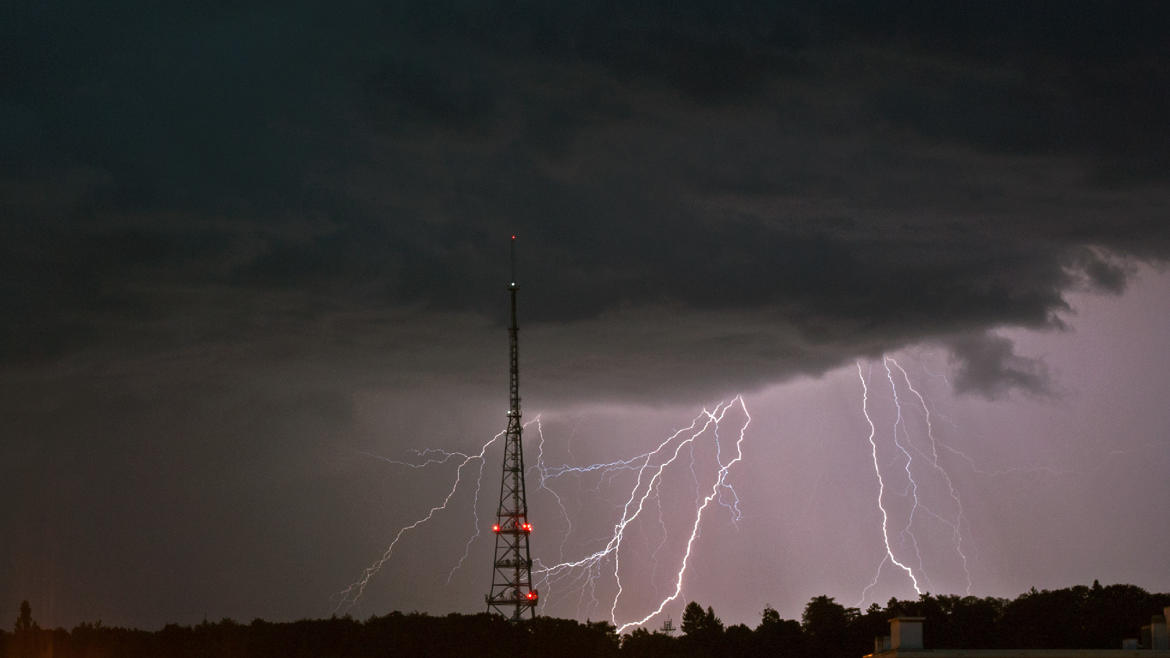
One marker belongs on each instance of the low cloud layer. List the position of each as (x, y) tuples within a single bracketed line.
[(859, 178), (988, 365)]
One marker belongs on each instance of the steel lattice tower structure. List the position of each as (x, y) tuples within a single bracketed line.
[(512, 595)]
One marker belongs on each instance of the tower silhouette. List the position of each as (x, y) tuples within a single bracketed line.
[(512, 595)]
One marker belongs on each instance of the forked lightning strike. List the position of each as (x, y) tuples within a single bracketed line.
[(899, 423), (650, 468), (956, 525), (908, 448), (348, 597), (889, 557)]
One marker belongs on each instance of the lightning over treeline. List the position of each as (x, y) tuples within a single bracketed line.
[(654, 504), (619, 557), (619, 527), (916, 495)]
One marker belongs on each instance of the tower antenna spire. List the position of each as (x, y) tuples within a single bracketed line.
[(512, 253), (512, 595)]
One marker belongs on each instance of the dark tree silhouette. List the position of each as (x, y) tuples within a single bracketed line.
[(826, 625), (644, 644), (778, 637), (702, 631), (696, 622), (25, 623), (1075, 618)]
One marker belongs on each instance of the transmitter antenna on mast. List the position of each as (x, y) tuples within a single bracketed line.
[(512, 254), (512, 595)]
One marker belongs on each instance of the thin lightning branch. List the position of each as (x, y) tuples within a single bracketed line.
[(650, 468), (956, 526), (350, 595), (1012, 470), (881, 492), (623, 465), (733, 506), (658, 548), (475, 515), (940, 375), (695, 474), (446, 457), (540, 468), (719, 481), (899, 422), (649, 489), (614, 540)]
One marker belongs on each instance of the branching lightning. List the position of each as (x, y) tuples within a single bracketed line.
[(913, 484), (604, 566), (475, 514), (889, 557), (916, 512), (348, 597), (956, 525), (913, 469), (428, 461), (543, 472), (649, 468)]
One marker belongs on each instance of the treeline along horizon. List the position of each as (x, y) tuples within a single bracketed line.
[(1080, 617)]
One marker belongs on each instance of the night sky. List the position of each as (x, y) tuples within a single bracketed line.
[(249, 253)]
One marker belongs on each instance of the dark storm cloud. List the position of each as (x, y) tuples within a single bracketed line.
[(859, 176), (989, 366)]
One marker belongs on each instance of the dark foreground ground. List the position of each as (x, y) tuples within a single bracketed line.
[(1075, 617)]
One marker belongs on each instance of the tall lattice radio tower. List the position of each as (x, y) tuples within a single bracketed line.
[(512, 595)]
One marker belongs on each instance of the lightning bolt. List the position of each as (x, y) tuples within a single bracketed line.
[(956, 525), (733, 506), (720, 481), (428, 461), (908, 448), (475, 515), (349, 596), (889, 557), (913, 489), (544, 477), (649, 468)]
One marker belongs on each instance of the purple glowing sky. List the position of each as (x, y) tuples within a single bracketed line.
[(243, 250), (1059, 489)]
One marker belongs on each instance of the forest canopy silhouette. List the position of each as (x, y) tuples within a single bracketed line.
[(1081, 617)]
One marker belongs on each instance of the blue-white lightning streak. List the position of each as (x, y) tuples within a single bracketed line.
[(348, 597), (720, 481), (544, 477), (881, 492), (592, 563), (908, 448), (475, 515), (898, 422), (956, 525), (649, 468), (445, 457), (733, 506)]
